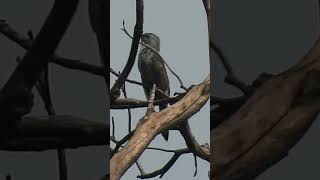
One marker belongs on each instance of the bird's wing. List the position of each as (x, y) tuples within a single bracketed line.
[(162, 80), (145, 69)]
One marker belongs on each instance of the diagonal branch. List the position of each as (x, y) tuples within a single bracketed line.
[(201, 151), (167, 166), (231, 78), (157, 122), (29, 69)]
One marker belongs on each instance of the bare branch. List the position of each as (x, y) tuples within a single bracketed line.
[(201, 151), (140, 167), (129, 110), (166, 167), (55, 132), (157, 122), (138, 29), (231, 78), (119, 143), (28, 71), (135, 103), (26, 43)]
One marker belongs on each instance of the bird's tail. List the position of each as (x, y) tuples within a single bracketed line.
[(165, 134)]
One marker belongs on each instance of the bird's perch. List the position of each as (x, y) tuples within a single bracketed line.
[(157, 122)]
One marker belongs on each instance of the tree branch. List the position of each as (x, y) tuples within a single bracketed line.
[(157, 122), (55, 132), (272, 121), (29, 69), (201, 151), (138, 29)]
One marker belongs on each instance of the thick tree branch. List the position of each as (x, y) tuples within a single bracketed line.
[(167, 166), (157, 122), (272, 121), (55, 132)]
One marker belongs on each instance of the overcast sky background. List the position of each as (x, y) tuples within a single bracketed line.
[(73, 92), (184, 46), (269, 36)]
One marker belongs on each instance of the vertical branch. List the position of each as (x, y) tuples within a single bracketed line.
[(124, 91), (43, 89), (138, 29)]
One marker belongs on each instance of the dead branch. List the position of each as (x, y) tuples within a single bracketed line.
[(131, 103), (29, 69), (167, 166), (138, 29), (26, 43), (231, 77), (55, 132), (272, 121), (192, 144), (157, 122)]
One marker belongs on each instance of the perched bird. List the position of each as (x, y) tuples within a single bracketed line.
[(98, 17), (153, 70)]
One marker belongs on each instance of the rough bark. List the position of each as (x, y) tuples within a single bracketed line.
[(269, 124), (156, 122)]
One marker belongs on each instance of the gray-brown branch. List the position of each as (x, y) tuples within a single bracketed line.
[(157, 122)]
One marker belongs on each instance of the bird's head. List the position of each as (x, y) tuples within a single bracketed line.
[(151, 40)]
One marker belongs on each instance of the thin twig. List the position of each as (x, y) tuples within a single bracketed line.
[(167, 166), (119, 143), (129, 110), (231, 78), (140, 167), (26, 43), (139, 83), (113, 126), (43, 89)]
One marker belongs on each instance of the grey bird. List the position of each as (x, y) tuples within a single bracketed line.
[(153, 70)]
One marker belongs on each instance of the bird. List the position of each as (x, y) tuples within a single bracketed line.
[(99, 23), (153, 71)]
